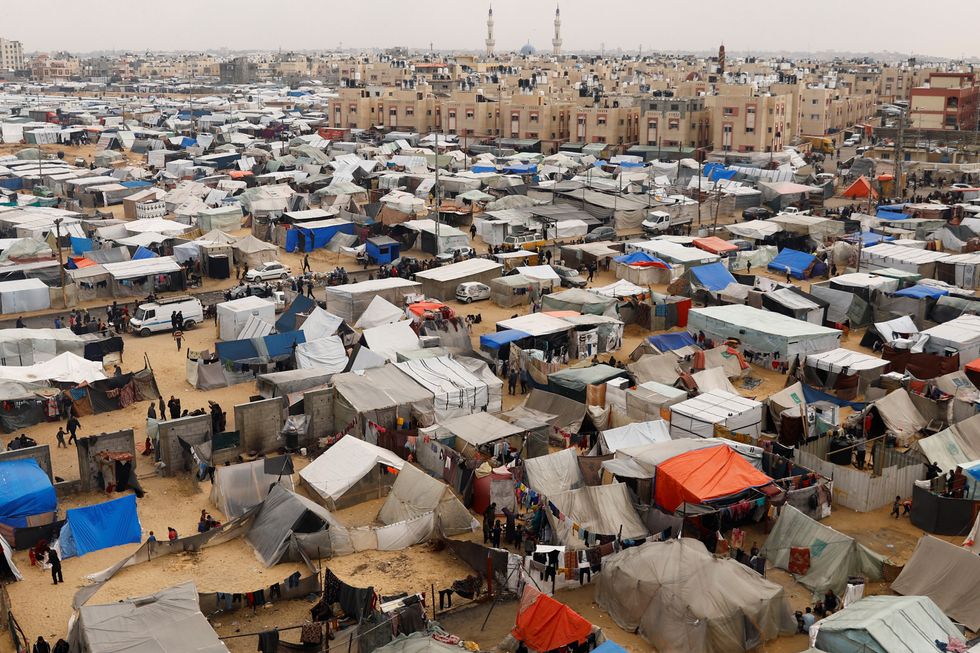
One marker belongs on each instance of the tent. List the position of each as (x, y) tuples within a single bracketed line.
[(101, 526), (860, 188), (596, 509), (169, 621), (713, 277), (239, 488), (700, 416), (379, 311), (388, 340), (544, 624), (23, 296), (417, 642), (415, 494), (955, 446), (380, 395), (634, 434), (762, 331), (579, 300), (232, 315), (25, 491), (350, 301), (285, 521), (833, 556), (554, 473), (704, 475), (947, 574), (715, 245), (671, 341), (886, 624), (682, 599), (573, 382), (900, 415), (347, 470), (799, 264), (456, 391), (326, 354), (64, 368)]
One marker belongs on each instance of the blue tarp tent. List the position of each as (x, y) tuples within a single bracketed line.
[(501, 338), (670, 341), (869, 238), (891, 215), (898, 208), (714, 276), (143, 252), (25, 490), (135, 183), (609, 646), (281, 344), (287, 321), (101, 526), (812, 395), (187, 141), (798, 262), (522, 169), (277, 345), (81, 245), (484, 168), (316, 237), (921, 290), (640, 258)]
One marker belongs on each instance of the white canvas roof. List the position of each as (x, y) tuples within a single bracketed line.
[(320, 323), (66, 368), (764, 330), (673, 252), (460, 270), (536, 324), (341, 466), (864, 280), (961, 334), (839, 360), (480, 428), (754, 229), (600, 509), (239, 488), (142, 268), (389, 339), (634, 435), (555, 473), (539, 273), (327, 354), (696, 417), (379, 311), (900, 415), (23, 295), (456, 391), (415, 493), (955, 446), (889, 330)]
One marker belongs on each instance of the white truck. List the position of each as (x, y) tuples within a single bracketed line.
[(662, 222), (152, 317)]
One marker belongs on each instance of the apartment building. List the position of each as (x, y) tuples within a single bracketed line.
[(747, 123), (385, 108), (948, 101), (675, 122), (49, 69), (11, 55)]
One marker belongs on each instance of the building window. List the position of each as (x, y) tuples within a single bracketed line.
[(673, 123), (533, 117), (470, 114), (729, 111), (409, 112), (600, 120)]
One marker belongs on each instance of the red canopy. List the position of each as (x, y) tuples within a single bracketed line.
[(715, 245), (860, 188), (544, 624), (704, 474)]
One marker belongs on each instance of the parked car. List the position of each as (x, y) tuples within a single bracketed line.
[(268, 271), (472, 291), (600, 233), (960, 186), (152, 317), (570, 278), (756, 213), (456, 254)]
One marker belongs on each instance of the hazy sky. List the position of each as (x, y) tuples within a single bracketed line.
[(934, 27)]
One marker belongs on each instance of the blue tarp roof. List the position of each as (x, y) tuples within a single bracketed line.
[(287, 321), (100, 526), (640, 257), (870, 238), (25, 490), (81, 245), (891, 207), (143, 252), (609, 646), (281, 344), (316, 237), (135, 184), (812, 395), (187, 141), (522, 168), (500, 338), (713, 276), (921, 290), (277, 345), (891, 215), (798, 262), (671, 341), (484, 168)]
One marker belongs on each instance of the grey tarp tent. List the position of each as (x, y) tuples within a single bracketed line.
[(682, 599), (380, 395), (555, 473), (169, 621), (886, 624), (952, 447), (291, 527), (833, 556), (947, 574), (599, 509), (239, 488), (416, 493), (349, 472), (661, 368)]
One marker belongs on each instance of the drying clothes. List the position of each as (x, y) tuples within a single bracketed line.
[(293, 580), (571, 564), (274, 592), (269, 641), (738, 538), (260, 598), (799, 560), (311, 634)]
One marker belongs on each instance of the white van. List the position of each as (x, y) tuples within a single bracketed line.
[(472, 291), (155, 316)]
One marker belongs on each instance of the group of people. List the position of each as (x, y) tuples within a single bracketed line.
[(206, 522), (830, 604), (510, 532)]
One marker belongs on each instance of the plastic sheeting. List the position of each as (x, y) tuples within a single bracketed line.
[(833, 556), (415, 494), (101, 526), (389, 339), (797, 263), (545, 624), (344, 464), (682, 599), (955, 446), (325, 354), (599, 509), (900, 415), (697, 417), (704, 475), (947, 574), (886, 624), (25, 491), (713, 277), (633, 435), (239, 488), (555, 473), (456, 391)]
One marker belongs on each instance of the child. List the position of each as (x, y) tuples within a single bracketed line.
[(898, 502)]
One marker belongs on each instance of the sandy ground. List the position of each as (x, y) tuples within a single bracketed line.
[(45, 609)]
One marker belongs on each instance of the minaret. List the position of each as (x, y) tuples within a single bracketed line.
[(556, 42), (721, 59), (490, 42)]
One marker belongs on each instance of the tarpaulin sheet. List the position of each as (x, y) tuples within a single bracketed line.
[(81, 245), (500, 338), (670, 341), (813, 395), (920, 290), (714, 276), (100, 526), (642, 259), (947, 574), (25, 490), (544, 624), (797, 262), (287, 321), (703, 475)]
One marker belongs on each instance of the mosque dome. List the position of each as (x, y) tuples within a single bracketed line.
[(528, 49)]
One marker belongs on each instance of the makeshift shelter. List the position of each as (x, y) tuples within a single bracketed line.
[(252, 252), (415, 494), (713, 277), (886, 624), (762, 331), (819, 557), (169, 621), (800, 265), (895, 255), (580, 301), (23, 296), (682, 599), (715, 245), (286, 524), (388, 340), (662, 368), (634, 434), (350, 471), (101, 526), (573, 382), (947, 574), (514, 290), (899, 415), (379, 396), (704, 475), (350, 300), (555, 473), (456, 391), (234, 314), (441, 282), (27, 497), (596, 509), (953, 447), (239, 488), (544, 624), (701, 416), (648, 400), (478, 430), (860, 188), (960, 335)]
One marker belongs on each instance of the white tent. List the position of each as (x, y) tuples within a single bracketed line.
[(23, 296), (389, 339), (379, 311), (599, 509), (347, 468), (415, 493), (697, 417), (66, 368), (239, 488), (29, 346), (327, 354), (456, 391), (232, 315), (960, 335), (633, 435)]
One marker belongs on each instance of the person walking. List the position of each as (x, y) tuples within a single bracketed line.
[(525, 380), (512, 380), (41, 646), (174, 406), (60, 435), (896, 506), (309, 289), (495, 534), (163, 408), (151, 412), (72, 426), (306, 263), (178, 338), (55, 563)]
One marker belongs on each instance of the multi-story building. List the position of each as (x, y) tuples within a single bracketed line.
[(747, 123), (949, 101), (48, 69), (11, 54), (675, 122)]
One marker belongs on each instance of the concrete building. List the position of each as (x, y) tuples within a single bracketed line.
[(948, 101), (747, 123), (675, 122), (11, 54)]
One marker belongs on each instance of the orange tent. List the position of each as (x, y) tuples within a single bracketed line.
[(715, 245), (860, 188), (704, 474), (544, 624)]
